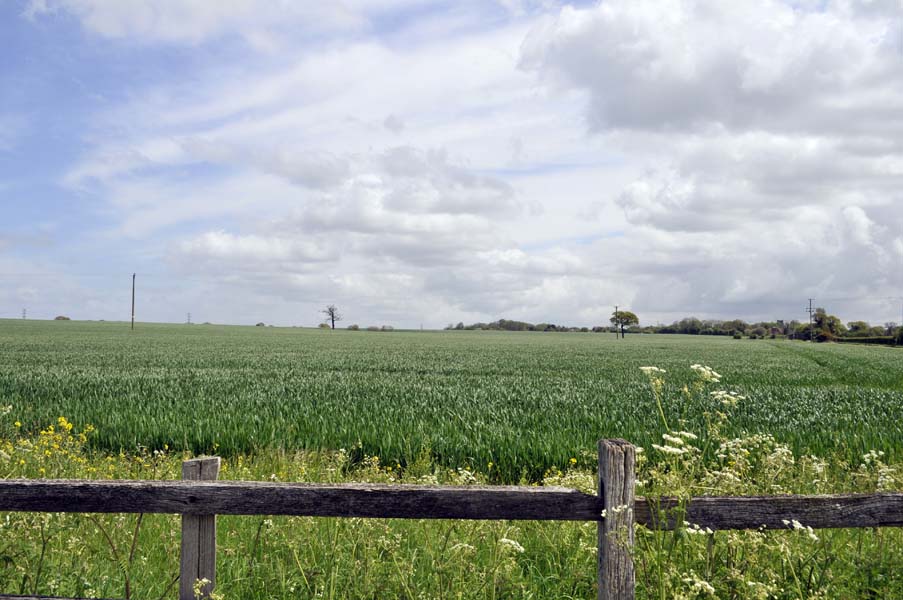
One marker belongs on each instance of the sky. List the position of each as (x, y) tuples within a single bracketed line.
[(419, 163)]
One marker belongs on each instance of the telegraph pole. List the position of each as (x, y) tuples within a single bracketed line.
[(24, 314), (133, 301), (811, 312), (189, 318)]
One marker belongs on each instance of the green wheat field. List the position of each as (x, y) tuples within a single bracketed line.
[(89, 400)]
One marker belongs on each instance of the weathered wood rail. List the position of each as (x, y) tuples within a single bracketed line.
[(198, 498)]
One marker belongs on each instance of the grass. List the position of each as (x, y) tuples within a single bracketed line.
[(455, 408), (128, 556), (525, 402)]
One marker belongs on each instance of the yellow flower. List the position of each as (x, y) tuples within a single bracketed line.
[(18, 424), (573, 461)]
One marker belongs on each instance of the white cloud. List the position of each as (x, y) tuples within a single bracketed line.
[(692, 64), (194, 21)]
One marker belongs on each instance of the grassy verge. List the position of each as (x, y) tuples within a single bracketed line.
[(291, 557)]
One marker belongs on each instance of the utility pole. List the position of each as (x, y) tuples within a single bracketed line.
[(189, 318), (811, 312), (133, 301), (24, 314)]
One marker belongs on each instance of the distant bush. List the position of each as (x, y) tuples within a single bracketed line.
[(323, 326), (373, 328), (738, 335), (61, 318), (824, 336), (261, 324), (883, 340), (387, 328), (354, 327)]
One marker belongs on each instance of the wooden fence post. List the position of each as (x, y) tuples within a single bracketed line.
[(617, 478), (198, 559)]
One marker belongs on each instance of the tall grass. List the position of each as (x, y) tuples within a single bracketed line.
[(129, 556)]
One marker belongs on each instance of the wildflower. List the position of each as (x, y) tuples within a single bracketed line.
[(699, 586), (707, 374), (694, 529), (18, 423), (652, 370), (677, 441), (573, 461), (512, 544), (727, 398), (669, 449), (797, 526)]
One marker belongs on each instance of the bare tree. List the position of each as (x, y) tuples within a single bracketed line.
[(332, 314)]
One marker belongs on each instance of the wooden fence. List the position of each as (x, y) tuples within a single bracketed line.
[(199, 497)]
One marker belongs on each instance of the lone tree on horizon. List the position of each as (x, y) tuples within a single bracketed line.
[(623, 318), (332, 314)]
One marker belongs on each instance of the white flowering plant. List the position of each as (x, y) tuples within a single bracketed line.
[(795, 563)]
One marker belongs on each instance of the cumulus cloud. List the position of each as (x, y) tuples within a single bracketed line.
[(690, 64), (770, 149)]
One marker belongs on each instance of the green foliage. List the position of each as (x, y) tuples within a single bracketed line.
[(883, 340), (624, 318), (827, 326)]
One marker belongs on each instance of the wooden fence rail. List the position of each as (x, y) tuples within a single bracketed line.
[(198, 498)]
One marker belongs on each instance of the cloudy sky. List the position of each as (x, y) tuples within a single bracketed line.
[(418, 162)]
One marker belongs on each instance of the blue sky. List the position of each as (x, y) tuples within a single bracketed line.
[(432, 162)]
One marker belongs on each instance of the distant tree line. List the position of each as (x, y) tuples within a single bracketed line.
[(823, 328), (510, 325)]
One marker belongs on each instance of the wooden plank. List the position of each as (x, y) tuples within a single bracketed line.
[(617, 484), (882, 509), (198, 555), (300, 499)]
